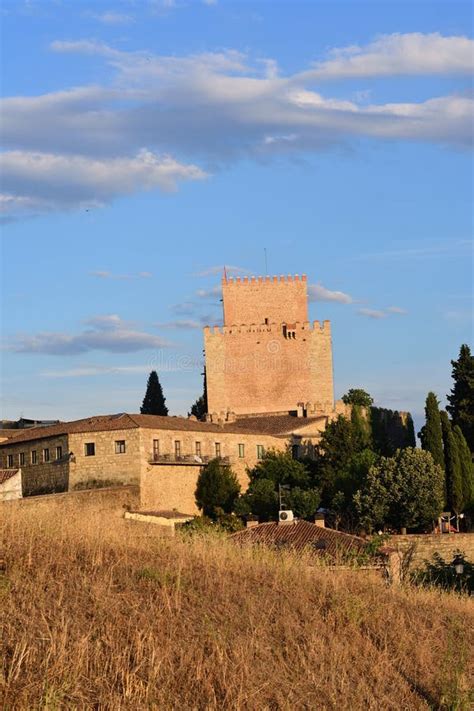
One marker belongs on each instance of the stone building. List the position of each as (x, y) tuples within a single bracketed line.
[(268, 358), (162, 454)]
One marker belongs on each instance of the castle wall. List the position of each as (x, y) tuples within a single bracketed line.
[(263, 368), (278, 299), (105, 464)]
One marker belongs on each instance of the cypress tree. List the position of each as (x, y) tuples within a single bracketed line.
[(461, 399), (154, 400), (431, 435), (199, 409), (410, 439), (467, 473), (454, 492)]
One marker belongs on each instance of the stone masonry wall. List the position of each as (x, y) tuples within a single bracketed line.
[(168, 487), (105, 464), (425, 546), (229, 447), (279, 299), (110, 501), (172, 486), (258, 369)]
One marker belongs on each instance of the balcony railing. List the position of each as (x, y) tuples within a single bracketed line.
[(155, 458)]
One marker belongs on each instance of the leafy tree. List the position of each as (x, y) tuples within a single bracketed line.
[(260, 499), (281, 468), (467, 471), (452, 466), (217, 489), (431, 434), (336, 449), (461, 399), (406, 490), (199, 409), (262, 495), (304, 503), (361, 432), (154, 401), (357, 396)]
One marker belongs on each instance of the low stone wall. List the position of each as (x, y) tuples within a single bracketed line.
[(169, 487), (111, 500), (424, 546)]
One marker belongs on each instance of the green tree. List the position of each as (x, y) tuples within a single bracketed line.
[(304, 502), (281, 468), (461, 398), (430, 434), (406, 490), (154, 401), (452, 466), (217, 489), (467, 471), (357, 396), (274, 470), (410, 438), (260, 499), (199, 409), (361, 432), (338, 444)]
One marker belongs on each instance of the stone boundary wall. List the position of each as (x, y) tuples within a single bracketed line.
[(446, 544), (108, 500)]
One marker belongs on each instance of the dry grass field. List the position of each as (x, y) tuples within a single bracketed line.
[(100, 614)]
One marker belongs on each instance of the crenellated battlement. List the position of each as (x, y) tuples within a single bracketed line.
[(272, 328), (268, 356), (245, 281)]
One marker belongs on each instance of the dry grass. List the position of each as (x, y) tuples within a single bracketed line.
[(100, 614)]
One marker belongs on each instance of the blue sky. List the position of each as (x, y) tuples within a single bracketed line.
[(147, 144)]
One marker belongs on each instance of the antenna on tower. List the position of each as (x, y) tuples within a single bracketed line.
[(266, 265)]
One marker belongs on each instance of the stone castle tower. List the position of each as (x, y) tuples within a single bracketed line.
[(268, 358)]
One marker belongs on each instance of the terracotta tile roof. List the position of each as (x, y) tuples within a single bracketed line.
[(6, 474), (124, 421), (301, 535), (89, 424), (9, 434)]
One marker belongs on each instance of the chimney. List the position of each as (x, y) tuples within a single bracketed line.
[(251, 522), (319, 520)]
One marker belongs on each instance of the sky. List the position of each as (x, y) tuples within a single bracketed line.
[(146, 144)]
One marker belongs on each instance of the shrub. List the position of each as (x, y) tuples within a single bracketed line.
[(217, 488)]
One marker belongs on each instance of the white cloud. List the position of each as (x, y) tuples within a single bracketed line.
[(398, 54), (317, 292), (186, 324), (212, 293), (40, 182), (113, 18), (396, 310), (372, 313), (104, 333), (89, 144)]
